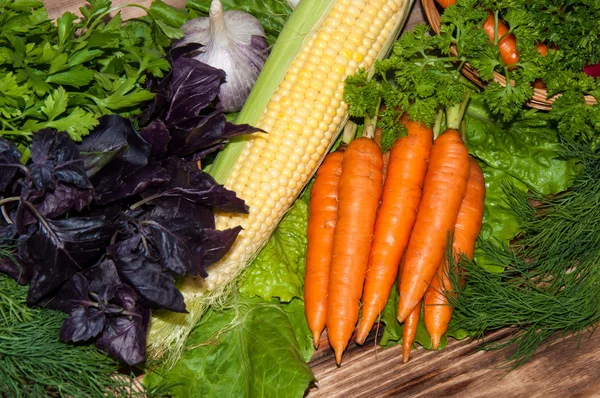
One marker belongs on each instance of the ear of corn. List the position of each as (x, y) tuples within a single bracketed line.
[(298, 101)]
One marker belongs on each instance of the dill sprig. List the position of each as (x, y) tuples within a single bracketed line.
[(34, 363), (550, 286)]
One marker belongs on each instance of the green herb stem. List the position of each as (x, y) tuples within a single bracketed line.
[(455, 113)]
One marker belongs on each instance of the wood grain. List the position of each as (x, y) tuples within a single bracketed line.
[(569, 368)]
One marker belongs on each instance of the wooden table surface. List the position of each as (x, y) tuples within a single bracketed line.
[(567, 368)]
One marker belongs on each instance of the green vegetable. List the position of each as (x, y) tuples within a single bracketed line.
[(526, 148), (250, 349), (422, 75), (278, 270), (34, 363), (550, 282), (66, 75)]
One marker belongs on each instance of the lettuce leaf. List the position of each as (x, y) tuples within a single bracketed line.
[(278, 270), (525, 149), (247, 350)]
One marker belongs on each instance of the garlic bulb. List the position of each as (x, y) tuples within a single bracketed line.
[(233, 41)]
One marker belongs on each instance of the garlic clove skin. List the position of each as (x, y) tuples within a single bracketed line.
[(233, 41)]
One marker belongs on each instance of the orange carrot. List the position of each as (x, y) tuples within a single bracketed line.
[(359, 190), (507, 44), (321, 225), (446, 3), (397, 213), (409, 332), (443, 192), (437, 312)]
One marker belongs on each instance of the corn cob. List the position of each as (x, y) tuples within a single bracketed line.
[(298, 101)]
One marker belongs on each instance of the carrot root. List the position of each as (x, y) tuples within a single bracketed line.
[(360, 189), (409, 332)]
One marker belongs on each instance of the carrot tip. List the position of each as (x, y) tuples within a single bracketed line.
[(435, 342), (338, 355), (316, 341), (360, 338), (405, 355)]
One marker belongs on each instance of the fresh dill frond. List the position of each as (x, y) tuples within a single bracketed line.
[(34, 363), (550, 286)]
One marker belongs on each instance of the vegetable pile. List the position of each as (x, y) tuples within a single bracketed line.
[(101, 228), (114, 146)]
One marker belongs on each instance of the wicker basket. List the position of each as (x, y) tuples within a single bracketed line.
[(539, 100)]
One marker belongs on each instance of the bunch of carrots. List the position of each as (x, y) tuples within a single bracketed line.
[(365, 231)]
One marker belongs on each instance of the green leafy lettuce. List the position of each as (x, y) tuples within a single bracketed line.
[(278, 270), (526, 148), (247, 350)]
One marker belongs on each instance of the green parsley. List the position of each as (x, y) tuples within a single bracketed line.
[(65, 75)]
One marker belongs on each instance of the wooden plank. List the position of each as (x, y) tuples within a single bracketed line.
[(567, 368)]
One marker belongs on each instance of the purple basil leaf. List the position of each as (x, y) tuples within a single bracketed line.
[(114, 133), (126, 297), (188, 49), (20, 272), (207, 138), (74, 293), (63, 199), (193, 87), (215, 196), (50, 146), (82, 324), (73, 173), (93, 162), (60, 248), (169, 208), (196, 133), (42, 175), (150, 282), (233, 130), (157, 135), (124, 337), (103, 280), (178, 243), (192, 184), (217, 243), (161, 98), (55, 157), (113, 309), (9, 163), (151, 174)]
